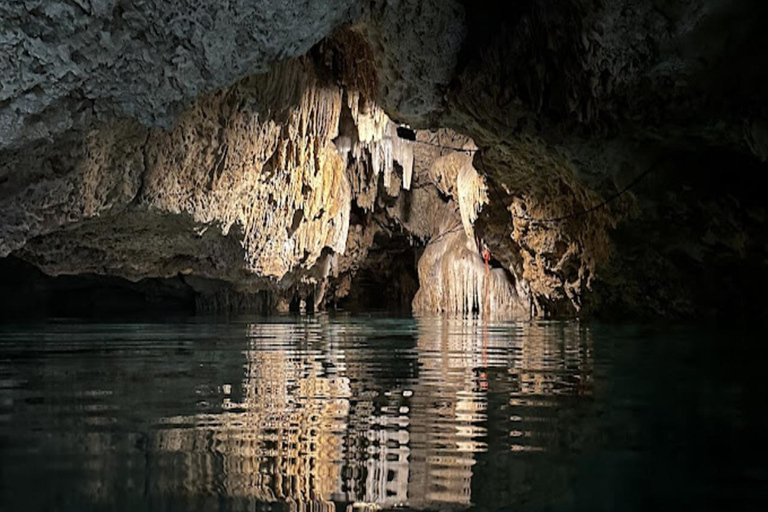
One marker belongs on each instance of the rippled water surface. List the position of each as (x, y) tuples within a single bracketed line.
[(343, 413)]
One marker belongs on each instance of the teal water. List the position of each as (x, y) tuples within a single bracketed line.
[(342, 413)]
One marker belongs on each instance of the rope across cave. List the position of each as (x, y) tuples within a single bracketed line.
[(574, 215)]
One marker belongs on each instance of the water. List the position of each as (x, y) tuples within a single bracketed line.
[(341, 413)]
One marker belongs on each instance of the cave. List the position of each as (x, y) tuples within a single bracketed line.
[(420, 254)]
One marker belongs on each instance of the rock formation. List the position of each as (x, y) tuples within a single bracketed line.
[(252, 150)]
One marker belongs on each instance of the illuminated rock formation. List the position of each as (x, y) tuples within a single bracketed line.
[(255, 149), (248, 187)]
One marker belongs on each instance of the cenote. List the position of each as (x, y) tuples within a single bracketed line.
[(333, 255)]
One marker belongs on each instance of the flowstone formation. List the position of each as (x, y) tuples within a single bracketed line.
[(569, 158), (454, 277)]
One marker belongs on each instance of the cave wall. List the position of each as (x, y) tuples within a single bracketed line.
[(606, 153), (577, 107), (75, 65)]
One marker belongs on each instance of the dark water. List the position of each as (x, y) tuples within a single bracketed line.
[(340, 413)]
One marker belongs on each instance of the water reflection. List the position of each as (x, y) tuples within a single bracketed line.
[(365, 413), (283, 440), (376, 413)]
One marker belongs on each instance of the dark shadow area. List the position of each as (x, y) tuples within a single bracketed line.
[(697, 247), (28, 293), (388, 281)]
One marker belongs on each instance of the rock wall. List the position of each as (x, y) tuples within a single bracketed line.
[(73, 65), (254, 144), (575, 105)]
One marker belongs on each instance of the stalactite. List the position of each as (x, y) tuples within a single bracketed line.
[(377, 135), (370, 120), (280, 172), (472, 195), (402, 153)]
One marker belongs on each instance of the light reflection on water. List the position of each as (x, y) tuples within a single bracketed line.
[(322, 420), (306, 414)]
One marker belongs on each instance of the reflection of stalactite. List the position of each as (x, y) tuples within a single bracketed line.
[(447, 408), (280, 443), (315, 425)]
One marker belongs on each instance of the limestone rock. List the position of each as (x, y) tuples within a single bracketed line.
[(140, 139), (249, 187), (71, 65)]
